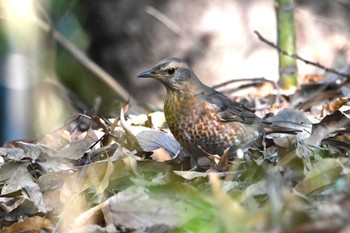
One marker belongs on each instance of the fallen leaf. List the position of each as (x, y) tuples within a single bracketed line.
[(335, 105), (150, 140), (30, 224), (134, 208), (329, 124), (323, 174), (76, 149)]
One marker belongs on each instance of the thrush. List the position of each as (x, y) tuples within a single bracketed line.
[(203, 120)]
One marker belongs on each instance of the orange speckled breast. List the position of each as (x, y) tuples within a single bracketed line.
[(195, 123)]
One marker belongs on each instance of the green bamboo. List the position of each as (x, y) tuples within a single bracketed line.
[(286, 41)]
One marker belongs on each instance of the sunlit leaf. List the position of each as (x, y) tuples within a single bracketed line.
[(151, 140), (31, 224), (323, 174), (135, 208), (106, 178)]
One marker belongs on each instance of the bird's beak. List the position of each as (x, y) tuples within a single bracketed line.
[(148, 74)]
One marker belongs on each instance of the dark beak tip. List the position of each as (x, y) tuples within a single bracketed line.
[(145, 74)]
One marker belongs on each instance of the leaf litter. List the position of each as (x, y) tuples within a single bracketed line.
[(129, 174)]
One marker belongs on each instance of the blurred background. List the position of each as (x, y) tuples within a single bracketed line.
[(46, 74)]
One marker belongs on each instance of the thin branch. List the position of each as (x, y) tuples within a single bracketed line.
[(241, 80), (295, 56), (165, 20), (169, 23), (85, 60)]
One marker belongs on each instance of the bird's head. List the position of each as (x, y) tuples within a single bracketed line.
[(175, 74)]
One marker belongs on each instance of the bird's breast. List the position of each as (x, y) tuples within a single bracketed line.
[(193, 121), (180, 109)]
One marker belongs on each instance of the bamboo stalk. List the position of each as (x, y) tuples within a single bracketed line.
[(286, 41)]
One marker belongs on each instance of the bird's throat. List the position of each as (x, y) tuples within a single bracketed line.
[(175, 106)]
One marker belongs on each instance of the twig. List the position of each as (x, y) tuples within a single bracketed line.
[(235, 89), (85, 60), (295, 56), (174, 27), (241, 80), (165, 20)]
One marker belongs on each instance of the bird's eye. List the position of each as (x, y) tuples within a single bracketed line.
[(171, 71)]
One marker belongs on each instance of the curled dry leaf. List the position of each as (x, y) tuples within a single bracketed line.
[(329, 124), (76, 149), (294, 120), (55, 140), (127, 128), (289, 124), (342, 147), (335, 105), (315, 94), (149, 139)]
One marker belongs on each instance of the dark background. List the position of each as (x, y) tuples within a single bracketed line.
[(126, 37)]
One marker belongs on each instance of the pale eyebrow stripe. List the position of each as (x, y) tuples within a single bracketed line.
[(174, 65)]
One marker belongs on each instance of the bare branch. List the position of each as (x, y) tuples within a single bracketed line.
[(295, 56)]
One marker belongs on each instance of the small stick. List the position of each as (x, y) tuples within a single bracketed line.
[(295, 56), (262, 79)]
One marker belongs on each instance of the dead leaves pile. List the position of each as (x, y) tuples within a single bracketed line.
[(128, 175)]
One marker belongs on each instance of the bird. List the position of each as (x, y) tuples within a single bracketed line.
[(203, 120)]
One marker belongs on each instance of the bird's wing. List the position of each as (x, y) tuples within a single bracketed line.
[(230, 110)]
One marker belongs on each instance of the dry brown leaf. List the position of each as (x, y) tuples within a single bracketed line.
[(329, 124), (30, 224), (161, 155), (92, 216), (335, 105), (223, 162), (264, 90), (310, 78), (76, 149)]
